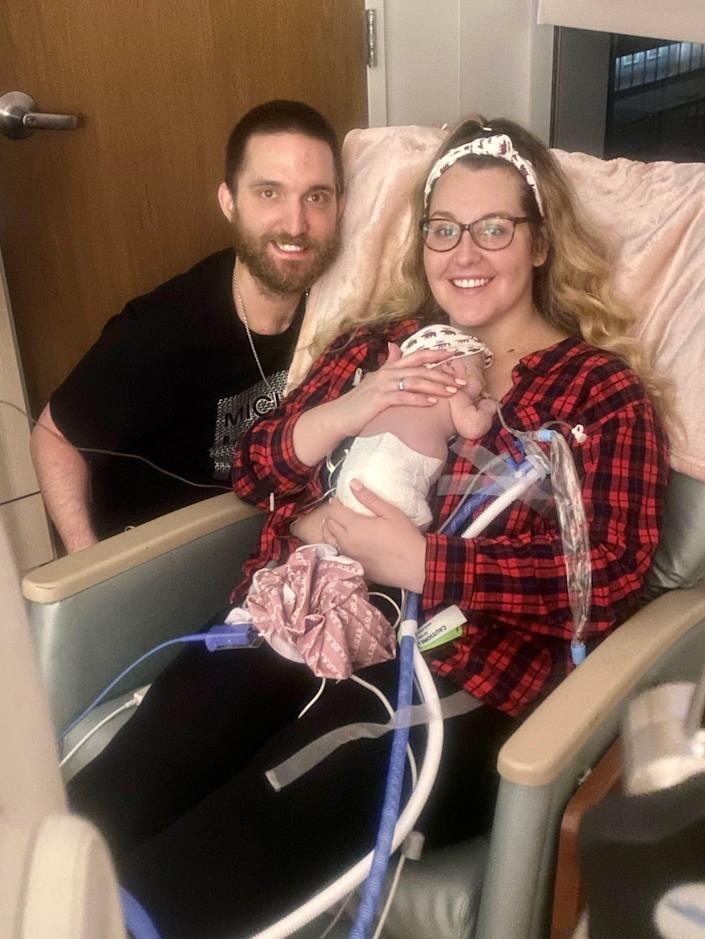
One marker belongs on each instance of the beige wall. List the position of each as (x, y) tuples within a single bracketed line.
[(21, 509)]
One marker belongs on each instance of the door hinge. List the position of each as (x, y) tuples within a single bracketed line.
[(371, 20)]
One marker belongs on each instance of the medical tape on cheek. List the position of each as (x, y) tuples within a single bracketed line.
[(315, 752)]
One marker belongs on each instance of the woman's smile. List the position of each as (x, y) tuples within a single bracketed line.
[(470, 283)]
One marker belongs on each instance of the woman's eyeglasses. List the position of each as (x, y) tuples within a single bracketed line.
[(492, 232)]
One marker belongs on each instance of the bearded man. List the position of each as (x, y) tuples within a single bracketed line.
[(183, 371)]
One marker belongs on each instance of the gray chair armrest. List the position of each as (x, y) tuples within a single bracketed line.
[(636, 654), (94, 612)]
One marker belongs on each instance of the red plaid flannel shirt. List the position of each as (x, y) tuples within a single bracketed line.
[(510, 582)]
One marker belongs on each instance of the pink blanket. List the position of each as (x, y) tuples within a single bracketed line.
[(656, 211)]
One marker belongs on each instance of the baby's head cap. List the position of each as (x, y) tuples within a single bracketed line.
[(444, 336)]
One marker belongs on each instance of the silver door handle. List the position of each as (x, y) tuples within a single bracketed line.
[(18, 117)]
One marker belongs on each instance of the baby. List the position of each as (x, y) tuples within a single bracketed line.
[(401, 452)]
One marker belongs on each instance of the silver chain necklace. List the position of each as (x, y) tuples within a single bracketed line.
[(243, 313)]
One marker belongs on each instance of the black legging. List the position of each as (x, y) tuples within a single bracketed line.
[(198, 834)]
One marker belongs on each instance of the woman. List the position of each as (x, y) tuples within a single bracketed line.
[(501, 252)]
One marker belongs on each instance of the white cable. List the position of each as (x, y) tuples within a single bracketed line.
[(390, 710), (332, 469), (120, 453), (313, 699), (133, 702), (412, 848), (299, 918), (384, 596), (387, 905), (336, 918)]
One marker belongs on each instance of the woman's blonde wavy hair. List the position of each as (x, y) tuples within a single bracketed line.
[(573, 290)]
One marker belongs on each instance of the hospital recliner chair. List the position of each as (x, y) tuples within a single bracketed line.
[(94, 612)]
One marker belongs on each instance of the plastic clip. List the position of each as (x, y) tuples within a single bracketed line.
[(232, 636)]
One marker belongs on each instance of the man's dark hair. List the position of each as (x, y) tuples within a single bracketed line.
[(277, 117)]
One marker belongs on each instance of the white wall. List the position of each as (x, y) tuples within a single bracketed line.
[(447, 58), (21, 508)]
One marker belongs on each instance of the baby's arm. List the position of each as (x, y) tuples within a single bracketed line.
[(471, 418)]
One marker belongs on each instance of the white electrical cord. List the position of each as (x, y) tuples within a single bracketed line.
[(341, 909), (313, 700), (390, 710), (132, 702), (350, 879), (392, 603), (375, 691)]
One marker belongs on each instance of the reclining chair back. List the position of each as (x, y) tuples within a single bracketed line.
[(57, 877)]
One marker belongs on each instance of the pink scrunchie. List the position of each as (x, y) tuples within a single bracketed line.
[(317, 603)]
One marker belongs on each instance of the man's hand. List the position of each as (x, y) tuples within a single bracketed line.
[(390, 548)]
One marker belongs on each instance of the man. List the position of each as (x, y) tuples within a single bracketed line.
[(183, 371)]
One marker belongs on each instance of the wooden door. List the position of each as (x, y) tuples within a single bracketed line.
[(93, 216)]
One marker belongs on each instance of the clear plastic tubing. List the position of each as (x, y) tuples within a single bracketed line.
[(534, 473)]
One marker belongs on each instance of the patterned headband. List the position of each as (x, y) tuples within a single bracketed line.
[(441, 336), (499, 146)]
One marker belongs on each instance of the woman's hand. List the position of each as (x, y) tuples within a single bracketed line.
[(390, 548), (398, 381)]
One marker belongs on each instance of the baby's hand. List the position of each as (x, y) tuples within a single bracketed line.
[(472, 419)]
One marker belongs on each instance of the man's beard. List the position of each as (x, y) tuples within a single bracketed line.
[(282, 276)]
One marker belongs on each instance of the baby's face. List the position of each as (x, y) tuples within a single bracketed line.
[(467, 365), (460, 366)]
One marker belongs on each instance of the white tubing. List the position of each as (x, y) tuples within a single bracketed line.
[(501, 502), (350, 879)]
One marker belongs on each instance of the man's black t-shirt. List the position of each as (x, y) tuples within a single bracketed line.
[(173, 379)]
